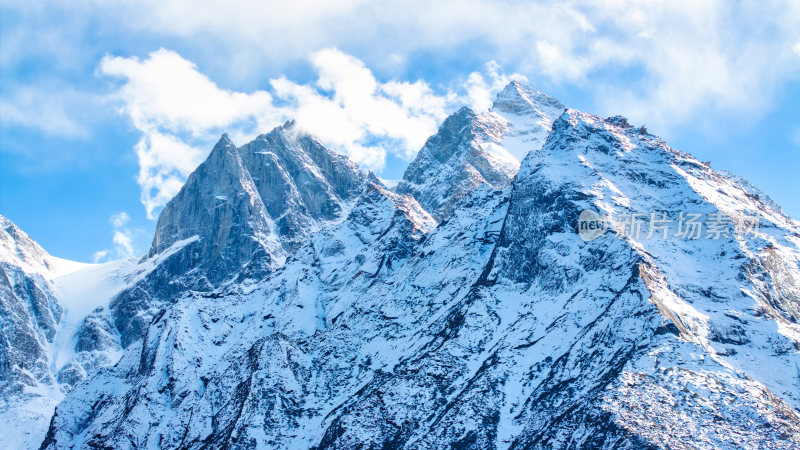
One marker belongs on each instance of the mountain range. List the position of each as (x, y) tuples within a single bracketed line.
[(291, 300)]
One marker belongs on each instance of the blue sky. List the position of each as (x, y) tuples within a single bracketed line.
[(104, 109)]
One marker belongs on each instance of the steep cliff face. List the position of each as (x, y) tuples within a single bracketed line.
[(221, 207), (473, 149), (500, 326)]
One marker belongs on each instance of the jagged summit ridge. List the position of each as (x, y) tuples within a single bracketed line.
[(220, 204), (239, 215), (266, 197), (301, 182)]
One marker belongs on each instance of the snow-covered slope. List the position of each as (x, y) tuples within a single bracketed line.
[(29, 319), (498, 327), (664, 342), (55, 328), (30, 312)]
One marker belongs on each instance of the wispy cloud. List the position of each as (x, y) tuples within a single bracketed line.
[(348, 108), (50, 111), (663, 62), (165, 91), (100, 256), (693, 64), (480, 91), (122, 239)]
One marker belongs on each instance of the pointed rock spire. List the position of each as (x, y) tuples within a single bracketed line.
[(220, 205)]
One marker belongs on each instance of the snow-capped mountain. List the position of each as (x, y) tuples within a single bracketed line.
[(291, 301), (29, 309), (472, 149)]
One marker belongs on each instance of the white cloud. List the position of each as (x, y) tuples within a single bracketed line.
[(122, 238), (692, 64), (662, 62), (119, 220), (123, 241), (165, 162), (684, 58), (167, 92), (558, 65), (100, 256), (796, 48), (180, 112), (348, 108)]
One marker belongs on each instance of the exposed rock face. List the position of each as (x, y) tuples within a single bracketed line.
[(214, 228), (497, 327), (237, 218), (302, 183), (220, 205), (473, 149), (257, 203)]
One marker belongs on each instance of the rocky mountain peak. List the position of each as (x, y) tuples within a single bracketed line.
[(220, 178), (518, 98), (220, 205), (238, 216), (287, 177), (470, 150), (301, 182)]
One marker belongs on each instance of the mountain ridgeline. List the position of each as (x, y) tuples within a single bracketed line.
[(290, 300)]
